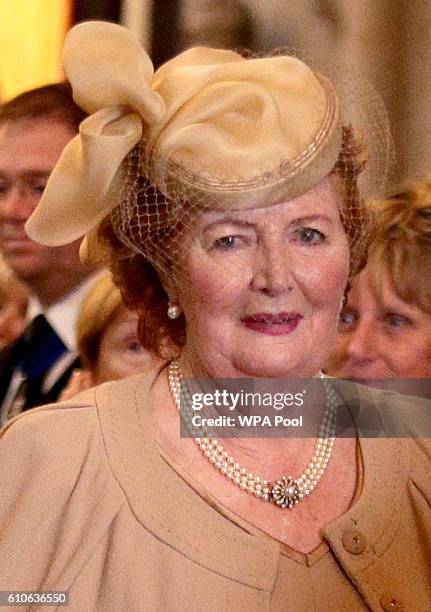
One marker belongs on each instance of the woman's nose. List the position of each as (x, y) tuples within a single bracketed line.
[(272, 274), (361, 345)]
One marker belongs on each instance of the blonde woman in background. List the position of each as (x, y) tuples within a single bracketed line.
[(107, 339), (385, 326)]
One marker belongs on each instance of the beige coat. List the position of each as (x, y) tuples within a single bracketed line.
[(89, 506)]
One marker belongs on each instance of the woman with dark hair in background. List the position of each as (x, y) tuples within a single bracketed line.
[(13, 306)]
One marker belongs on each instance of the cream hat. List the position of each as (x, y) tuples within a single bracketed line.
[(246, 132)]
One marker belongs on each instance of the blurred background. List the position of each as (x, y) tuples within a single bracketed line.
[(389, 41)]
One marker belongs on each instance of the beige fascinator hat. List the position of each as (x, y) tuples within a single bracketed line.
[(208, 128)]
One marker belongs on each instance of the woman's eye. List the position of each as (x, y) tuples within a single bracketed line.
[(396, 321), (226, 242), (132, 344), (347, 319), (134, 347), (309, 235)]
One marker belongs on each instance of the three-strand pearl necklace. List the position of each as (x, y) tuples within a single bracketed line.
[(287, 491)]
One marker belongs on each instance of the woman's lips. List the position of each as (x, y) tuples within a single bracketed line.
[(279, 324)]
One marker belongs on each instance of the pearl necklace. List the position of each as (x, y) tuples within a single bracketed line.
[(287, 491)]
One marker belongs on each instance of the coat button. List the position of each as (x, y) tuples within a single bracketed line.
[(391, 603), (354, 541)]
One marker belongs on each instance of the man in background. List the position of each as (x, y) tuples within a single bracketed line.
[(34, 129)]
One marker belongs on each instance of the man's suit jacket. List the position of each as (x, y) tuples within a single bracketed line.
[(37, 391)]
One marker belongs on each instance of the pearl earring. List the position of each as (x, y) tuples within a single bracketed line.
[(173, 311)]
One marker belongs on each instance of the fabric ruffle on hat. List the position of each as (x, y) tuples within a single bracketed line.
[(250, 132)]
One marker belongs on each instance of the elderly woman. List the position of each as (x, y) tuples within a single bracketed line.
[(385, 325), (224, 191)]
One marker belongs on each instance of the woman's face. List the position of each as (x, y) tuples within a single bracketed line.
[(261, 288), (380, 336), (120, 353)]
